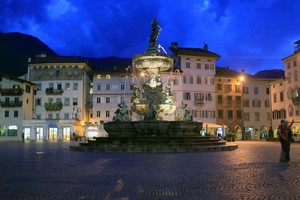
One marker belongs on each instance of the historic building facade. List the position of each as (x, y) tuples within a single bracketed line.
[(194, 81), (17, 103), (62, 100)]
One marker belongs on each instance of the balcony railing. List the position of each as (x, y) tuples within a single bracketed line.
[(53, 106), (7, 104), (11, 91), (51, 91), (199, 102)]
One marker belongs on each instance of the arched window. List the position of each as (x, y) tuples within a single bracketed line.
[(295, 76), (291, 110)]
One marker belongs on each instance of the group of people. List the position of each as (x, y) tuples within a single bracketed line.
[(285, 134)]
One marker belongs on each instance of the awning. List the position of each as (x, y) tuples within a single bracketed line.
[(211, 125)]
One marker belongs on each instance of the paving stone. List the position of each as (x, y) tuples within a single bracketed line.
[(49, 170)]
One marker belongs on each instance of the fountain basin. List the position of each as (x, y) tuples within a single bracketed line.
[(153, 128), (160, 62)]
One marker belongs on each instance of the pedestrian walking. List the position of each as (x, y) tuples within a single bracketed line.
[(284, 140)]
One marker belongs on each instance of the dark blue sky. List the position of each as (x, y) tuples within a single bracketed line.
[(248, 34)]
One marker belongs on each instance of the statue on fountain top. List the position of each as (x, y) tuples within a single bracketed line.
[(153, 47)]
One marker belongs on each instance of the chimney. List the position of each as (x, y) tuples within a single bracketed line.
[(205, 47), (174, 45)]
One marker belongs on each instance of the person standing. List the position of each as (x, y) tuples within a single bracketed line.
[(284, 140)]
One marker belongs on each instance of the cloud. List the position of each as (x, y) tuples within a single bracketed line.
[(247, 34)]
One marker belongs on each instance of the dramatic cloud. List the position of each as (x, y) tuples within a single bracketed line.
[(251, 35)]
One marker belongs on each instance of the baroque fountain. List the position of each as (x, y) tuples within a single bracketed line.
[(153, 100)]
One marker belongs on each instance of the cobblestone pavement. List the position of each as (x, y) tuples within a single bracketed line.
[(49, 170)]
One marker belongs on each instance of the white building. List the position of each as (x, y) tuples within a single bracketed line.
[(17, 102), (62, 99), (256, 107), (110, 88), (285, 92), (194, 79)]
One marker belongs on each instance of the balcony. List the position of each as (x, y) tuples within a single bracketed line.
[(9, 104), (199, 102), (51, 106), (11, 91), (296, 97), (51, 91)]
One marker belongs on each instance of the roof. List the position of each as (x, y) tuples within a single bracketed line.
[(58, 59), (16, 79), (225, 71), (194, 52)]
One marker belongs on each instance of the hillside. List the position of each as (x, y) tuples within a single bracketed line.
[(15, 48)]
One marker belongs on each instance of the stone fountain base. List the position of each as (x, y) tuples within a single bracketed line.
[(154, 136)]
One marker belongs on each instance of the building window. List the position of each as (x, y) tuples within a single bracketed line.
[(230, 114), (107, 87), (51, 86), (246, 117), (99, 100), (66, 116), (184, 79), (107, 100), (187, 96), (107, 114), (208, 97), (255, 90), (229, 99), (209, 80), (220, 99), (219, 86), (176, 81), (98, 87), (256, 116), (107, 76), (75, 86), (59, 86), (238, 99), (6, 113), (70, 72), (67, 102), (206, 66), (220, 114), (198, 80), (198, 65), (98, 113), (239, 114), (67, 86), (122, 87), (295, 76), (191, 79), (188, 65), (281, 97), (57, 72), (122, 99), (267, 90), (50, 116), (227, 88), (38, 101), (238, 88), (27, 89), (75, 101), (245, 90), (256, 103), (98, 76)]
